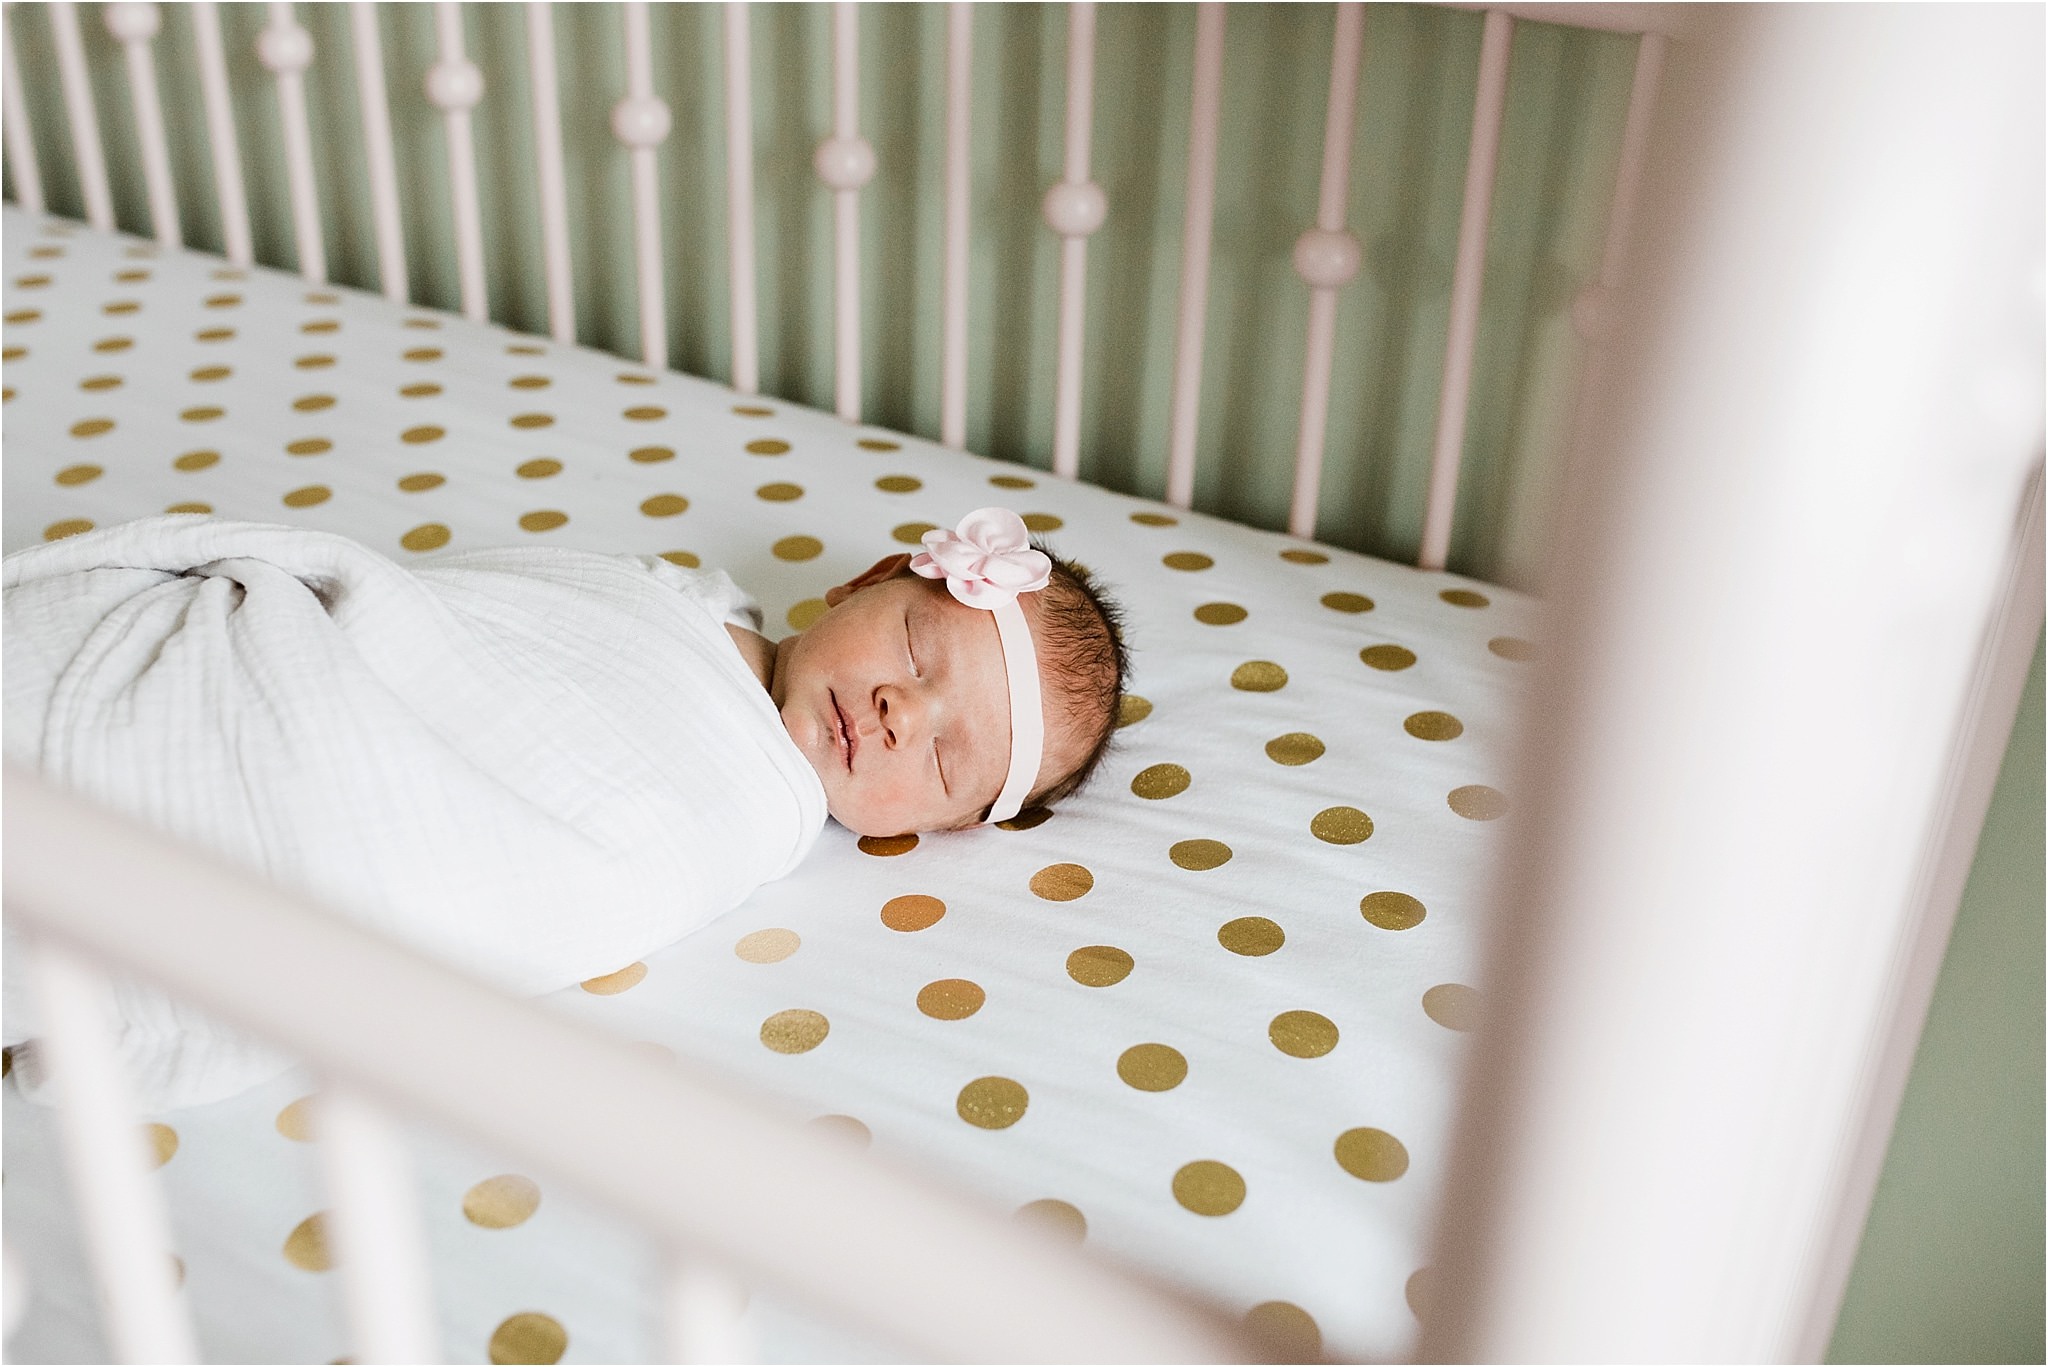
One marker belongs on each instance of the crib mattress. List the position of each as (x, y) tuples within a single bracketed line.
[(1207, 1018)]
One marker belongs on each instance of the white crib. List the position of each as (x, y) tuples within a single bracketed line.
[(1777, 413)]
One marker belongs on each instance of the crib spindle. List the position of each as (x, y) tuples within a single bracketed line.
[(705, 1309), (21, 143), (1593, 309), (959, 169), (220, 133), (1207, 101), (127, 1231), (85, 123), (845, 162), (135, 25), (1467, 281), (547, 155), (641, 121), (376, 107), (286, 50), (739, 196), (1326, 257), (1074, 208), (454, 85), (374, 1224)]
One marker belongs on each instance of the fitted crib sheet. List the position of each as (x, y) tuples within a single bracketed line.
[(1206, 1018)]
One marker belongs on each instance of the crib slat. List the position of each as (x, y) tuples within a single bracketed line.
[(705, 1306), (220, 133), (127, 1231), (641, 122), (135, 26), (1074, 208), (374, 1223), (454, 85), (845, 162), (959, 169), (1467, 281), (85, 123), (547, 153), (739, 196), (376, 106), (286, 50), (1207, 102), (1593, 308), (21, 143), (1326, 257)]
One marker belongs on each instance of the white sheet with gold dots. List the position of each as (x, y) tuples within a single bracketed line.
[(1207, 1018)]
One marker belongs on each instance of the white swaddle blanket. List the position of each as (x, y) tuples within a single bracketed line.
[(537, 765)]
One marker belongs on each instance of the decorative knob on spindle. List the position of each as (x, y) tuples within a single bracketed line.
[(455, 85), (1326, 258), (132, 22), (845, 163), (1075, 210), (284, 49), (1593, 312), (641, 121)]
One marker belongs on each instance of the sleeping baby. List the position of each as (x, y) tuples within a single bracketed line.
[(537, 765)]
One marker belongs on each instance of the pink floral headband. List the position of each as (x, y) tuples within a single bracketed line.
[(986, 562)]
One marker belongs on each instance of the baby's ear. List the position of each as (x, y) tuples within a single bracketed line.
[(888, 567)]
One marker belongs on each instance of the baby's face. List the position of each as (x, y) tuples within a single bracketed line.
[(899, 699)]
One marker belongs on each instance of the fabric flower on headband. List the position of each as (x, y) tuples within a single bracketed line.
[(986, 561)]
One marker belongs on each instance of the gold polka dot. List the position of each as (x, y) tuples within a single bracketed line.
[(6, 393), (1287, 1332), (899, 484), (912, 533), (295, 1122), (24, 315), (313, 403), (1387, 657), (529, 421), (1154, 520), (163, 1143), (45, 252), (529, 1337), (14, 353), (1454, 1006), (539, 469), (310, 446), (1152, 1067), (1512, 648), (843, 1128), (1099, 965), (210, 335), (1477, 802), (1132, 709), (1302, 1034), (121, 306), (207, 374), (1043, 522), (992, 1103), (887, 844), (70, 526), (1392, 910), (428, 536), (1463, 598), (189, 508), (1258, 676), (1208, 1188), (1161, 780), (306, 1246), (780, 493), (133, 276), (319, 361), (424, 324), (1012, 482), (521, 349), (1347, 602), (768, 446), (31, 282), (420, 435), (101, 382), (799, 548), (1058, 1218), (664, 505), (424, 353), (542, 520), (650, 455), (79, 474), (794, 1031), (912, 910), (1187, 560), (419, 391), (1371, 1155), (197, 460), (1027, 818), (646, 413), (1433, 726), (321, 325), (1199, 855), (501, 1202), (950, 999), (1294, 748), (322, 297), (804, 615), (769, 946), (1062, 882), (310, 496), (420, 483), (611, 984), (1341, 825), (1220, 614), (92, 427), (1252, 936), (687, 559), (745, 410), (205, 413), (876, 444), (529, 382), (1301, 557)]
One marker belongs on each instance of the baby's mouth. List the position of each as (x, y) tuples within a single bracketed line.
[(846, 738)]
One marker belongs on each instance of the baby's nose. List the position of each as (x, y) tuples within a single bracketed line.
[(899, 715)]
